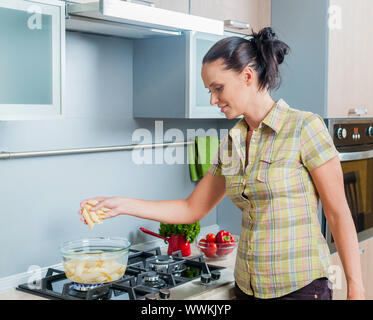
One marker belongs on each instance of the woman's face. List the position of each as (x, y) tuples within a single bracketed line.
[(229, 90)]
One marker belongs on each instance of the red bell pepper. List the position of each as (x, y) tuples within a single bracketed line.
[(225, 243)]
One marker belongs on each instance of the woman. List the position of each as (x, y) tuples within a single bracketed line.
[(280, 161)]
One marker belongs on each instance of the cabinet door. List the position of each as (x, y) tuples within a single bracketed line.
[(257, 13), (199, 98), (350, 50), (367, 271), (198, 105), (340, 291), (31, 59)]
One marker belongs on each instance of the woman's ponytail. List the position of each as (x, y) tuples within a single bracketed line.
[(270, 54)]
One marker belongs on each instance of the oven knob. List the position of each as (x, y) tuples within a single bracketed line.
[(341, 133), (215, 275), (164, 294), (205, 278), (370, 131), (151, 296)]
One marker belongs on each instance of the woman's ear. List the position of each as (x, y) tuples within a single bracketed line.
[(248, 75)]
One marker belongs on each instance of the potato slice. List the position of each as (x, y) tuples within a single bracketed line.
[(92, 203), (94, 217), (87, 218)]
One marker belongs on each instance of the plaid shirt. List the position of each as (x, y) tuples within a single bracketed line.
[(281, 248)]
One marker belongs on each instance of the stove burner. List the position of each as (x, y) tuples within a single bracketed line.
[(152, 276), (167, 264), (161, 260), (151, 279), (85, 287), (91, 291)]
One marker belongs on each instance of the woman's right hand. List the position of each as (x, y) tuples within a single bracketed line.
[(115, 204)]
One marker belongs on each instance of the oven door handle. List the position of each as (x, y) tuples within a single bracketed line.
[(360, 155)]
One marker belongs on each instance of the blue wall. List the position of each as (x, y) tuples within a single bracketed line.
[(40, 196)]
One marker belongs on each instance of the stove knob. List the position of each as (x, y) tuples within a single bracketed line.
[(215, 275), (370, 131), (151, 296), (164, 294), (206, 278), (341, 133)]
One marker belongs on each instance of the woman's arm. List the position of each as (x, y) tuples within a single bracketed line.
[(205, 196), (328, 179)]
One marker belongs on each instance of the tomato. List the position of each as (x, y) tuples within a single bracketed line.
[(203, 243), (211, 249), (210, 237)]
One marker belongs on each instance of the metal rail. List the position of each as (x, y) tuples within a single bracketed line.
[(16, 155)]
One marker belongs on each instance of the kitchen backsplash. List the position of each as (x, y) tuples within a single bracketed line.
[(41, 196)]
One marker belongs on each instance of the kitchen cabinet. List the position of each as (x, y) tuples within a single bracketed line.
[(329, 67), (350, 67), (256, 13), (366, 258), (31, 59), (167, 79)]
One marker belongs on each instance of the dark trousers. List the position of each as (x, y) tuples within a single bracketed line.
[(316, 290)]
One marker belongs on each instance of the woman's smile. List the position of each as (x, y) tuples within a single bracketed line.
[(223, 108)]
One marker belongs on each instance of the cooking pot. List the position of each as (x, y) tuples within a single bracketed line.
[(95, 260), (175, 242)]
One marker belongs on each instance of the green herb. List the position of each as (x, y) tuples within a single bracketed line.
[(189, 231)]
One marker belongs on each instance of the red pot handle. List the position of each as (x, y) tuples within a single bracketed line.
[(153, 234)]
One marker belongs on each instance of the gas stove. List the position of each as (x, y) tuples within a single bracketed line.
[(149, 275)]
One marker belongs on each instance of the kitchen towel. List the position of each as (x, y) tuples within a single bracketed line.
[(201, 156)]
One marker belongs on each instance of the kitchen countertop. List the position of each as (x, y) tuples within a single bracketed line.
[(223, 291)]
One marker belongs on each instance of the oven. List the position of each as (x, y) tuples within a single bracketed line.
[(353, 139)]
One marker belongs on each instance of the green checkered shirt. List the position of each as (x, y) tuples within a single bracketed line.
[(281, 248)]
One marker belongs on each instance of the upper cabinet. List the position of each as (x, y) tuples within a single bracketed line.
[(255, 14), (329, 67), (32, 55), (350, 67), (167, 77)]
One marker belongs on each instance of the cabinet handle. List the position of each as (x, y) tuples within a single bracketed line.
[(357, 112), (362, 250), (236, 24)]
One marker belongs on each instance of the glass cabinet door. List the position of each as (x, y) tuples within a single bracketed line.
[(31, 58), (199, 97)]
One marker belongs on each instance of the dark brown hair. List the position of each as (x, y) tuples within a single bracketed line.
[(262, 51)]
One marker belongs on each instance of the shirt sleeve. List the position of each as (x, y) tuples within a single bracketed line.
[(317, 145)]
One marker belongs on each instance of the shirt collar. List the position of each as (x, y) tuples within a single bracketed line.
[(275, 119)]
